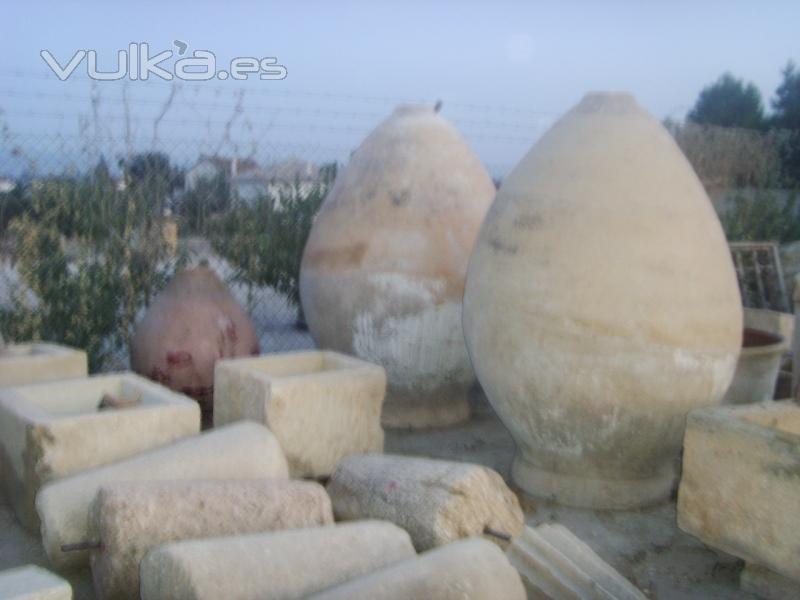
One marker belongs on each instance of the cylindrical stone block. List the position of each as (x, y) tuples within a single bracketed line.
[(436, 501), (131, 518), (243, 450), (470, 569), (33, 583), (282, 565)]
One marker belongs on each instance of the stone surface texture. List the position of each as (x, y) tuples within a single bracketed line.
[(282, 565), (644, 545), (382, 276), (470, 569), (767, 584), (740, 489), (33, 583), (193, 322), (556, 565), (796, 336), (21, 364), (239, 451), (51, 430), (594, 328), (322, 406), (131, 518), (436, 501)]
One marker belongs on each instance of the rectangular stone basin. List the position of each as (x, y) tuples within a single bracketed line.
[(21, 364), (740, 489), (321, 405), (51, 430)]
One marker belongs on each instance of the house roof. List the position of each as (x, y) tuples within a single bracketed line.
[(225, 164), (292, 169)]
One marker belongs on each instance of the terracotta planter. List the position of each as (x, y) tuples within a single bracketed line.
[(757, 368), (383, 271), (601, 305), (193, 322)]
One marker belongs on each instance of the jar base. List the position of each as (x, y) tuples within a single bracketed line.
[(425, 412), (585, 492)]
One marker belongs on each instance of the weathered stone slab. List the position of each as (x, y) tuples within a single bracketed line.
[(322, 406), (472, 569), (436, 501), (767, 584), (555, 564), (131, 518), (52, 430), (282, 565), (740, 490), (239, 451), (33, 583), (21, 364)]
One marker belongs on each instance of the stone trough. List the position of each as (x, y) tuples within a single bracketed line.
[(322, 406), (740, 490), (52, 430), (21, 364)]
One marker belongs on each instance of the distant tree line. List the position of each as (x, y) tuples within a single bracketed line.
[(731, 102)]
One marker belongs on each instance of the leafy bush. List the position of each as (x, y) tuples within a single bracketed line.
[(263, 241), (89, 257), (762, 216), (207, 198)]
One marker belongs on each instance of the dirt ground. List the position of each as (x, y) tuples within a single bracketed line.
[(644, 545)]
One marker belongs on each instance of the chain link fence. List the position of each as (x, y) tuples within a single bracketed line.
[(84, 250), (104, 194), (107, 189)]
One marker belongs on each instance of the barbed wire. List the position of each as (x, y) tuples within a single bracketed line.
[(276, 91)]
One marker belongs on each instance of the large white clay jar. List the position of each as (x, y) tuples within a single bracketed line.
[(383, 270), (601, 306)]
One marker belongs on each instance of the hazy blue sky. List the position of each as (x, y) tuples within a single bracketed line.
[(504, 70)]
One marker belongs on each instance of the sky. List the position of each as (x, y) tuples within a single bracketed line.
[(504, 71)]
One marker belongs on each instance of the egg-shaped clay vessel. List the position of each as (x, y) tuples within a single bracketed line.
[(193, 322), (383, 270), (601, 306)]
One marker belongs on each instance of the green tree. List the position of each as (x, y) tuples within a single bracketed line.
[(729, 102), (786, 102), (786, 117)]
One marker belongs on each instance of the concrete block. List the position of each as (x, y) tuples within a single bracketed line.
[(322, 406), (471, 569), (740, 490), (436, 501), (21, 364), (766, 584), (33, 583), (131, 518), (239, 451), (555, 564), (282, 565), (52, 430)]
